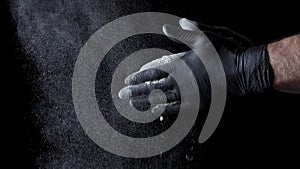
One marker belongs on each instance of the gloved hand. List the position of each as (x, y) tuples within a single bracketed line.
[(246, 67)]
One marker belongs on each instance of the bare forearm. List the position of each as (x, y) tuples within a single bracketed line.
[(285, 60)]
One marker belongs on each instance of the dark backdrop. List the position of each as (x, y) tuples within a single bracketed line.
[(45, 37)]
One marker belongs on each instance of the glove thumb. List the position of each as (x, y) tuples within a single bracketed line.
[(187, 37), (188, 24)]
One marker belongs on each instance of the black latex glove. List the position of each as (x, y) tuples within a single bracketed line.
[(246, 67)]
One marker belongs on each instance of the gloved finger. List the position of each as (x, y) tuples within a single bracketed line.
[(168, 96), (151, 71), (145, 88), (140, 103), (226, 33), (210, 31), (218, 40), (160, 98), (220, 31), (168, 108), (185, 36), (162, 61), (188, 24), (232, 35), (145, 75)]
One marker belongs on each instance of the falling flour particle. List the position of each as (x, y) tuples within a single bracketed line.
[(161, 118)]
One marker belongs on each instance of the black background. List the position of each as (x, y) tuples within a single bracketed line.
[(255, 131)]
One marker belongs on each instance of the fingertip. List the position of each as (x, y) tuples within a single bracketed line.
[(185, 35), (182, 20), (164, 28), (125, 93), (187, 24), (170, 30), (127, 80)]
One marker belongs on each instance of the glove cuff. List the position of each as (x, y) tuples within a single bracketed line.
[(259, 72)]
